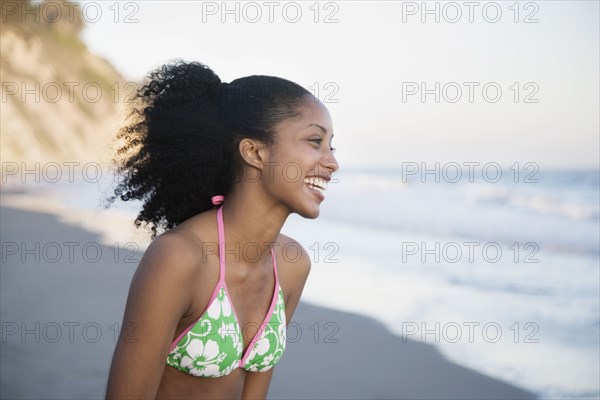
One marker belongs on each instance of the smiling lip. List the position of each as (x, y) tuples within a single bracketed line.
[(317, 193), (317, 185), (326, 178)]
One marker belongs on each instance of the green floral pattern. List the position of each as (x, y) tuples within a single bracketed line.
[(213, 346)]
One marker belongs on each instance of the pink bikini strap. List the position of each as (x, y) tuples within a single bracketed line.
[(220, 226), (274, 265), (216, 200)]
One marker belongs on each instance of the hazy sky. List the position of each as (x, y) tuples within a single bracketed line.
[(508, 91)]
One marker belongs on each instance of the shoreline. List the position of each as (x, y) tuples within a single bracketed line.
[(66, 302)]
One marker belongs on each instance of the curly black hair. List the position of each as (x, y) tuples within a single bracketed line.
[(179, 146)]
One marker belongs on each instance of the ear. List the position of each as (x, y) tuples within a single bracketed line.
[(253, 152)]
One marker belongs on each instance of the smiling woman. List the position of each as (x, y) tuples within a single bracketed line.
[(209, 315)]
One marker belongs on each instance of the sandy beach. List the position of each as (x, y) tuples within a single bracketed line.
[(62, 298)]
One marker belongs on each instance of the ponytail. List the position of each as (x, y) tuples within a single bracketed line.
[(180, 143)]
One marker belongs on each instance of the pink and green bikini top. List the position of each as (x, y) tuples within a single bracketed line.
[(213, 345)]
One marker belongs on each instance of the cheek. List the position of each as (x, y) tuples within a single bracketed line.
[(283, 177), (288, 164), (285, 173), (291, 173)]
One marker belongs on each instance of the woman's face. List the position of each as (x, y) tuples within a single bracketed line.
[(301, 160)]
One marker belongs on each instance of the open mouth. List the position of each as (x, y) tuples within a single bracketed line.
[(317, 184)]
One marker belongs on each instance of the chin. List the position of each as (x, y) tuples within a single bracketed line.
[(309, 212), (304, 203)]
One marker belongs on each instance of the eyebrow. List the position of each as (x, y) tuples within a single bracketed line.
[(319, 126)]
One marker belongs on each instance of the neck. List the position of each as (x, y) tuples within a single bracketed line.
[(252, 220)]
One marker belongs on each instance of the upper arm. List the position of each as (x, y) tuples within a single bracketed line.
[(157, 299)]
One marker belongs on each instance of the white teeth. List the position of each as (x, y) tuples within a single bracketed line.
[(316, 183)]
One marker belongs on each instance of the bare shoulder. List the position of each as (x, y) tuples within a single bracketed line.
[(292, 257), (172, 253), (173, 263), (165, 279), (294, 265)]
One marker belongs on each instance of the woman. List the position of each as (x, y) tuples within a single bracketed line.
[(219, 167)]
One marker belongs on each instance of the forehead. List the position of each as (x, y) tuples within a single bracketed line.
[(311, 112)]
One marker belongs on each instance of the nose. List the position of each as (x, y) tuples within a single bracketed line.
[(330, 163)]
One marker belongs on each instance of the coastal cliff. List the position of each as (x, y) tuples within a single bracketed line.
[(59, 102)]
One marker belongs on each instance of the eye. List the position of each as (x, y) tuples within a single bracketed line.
[(318, 142)]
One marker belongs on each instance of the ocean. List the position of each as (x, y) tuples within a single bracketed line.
[(499, 269)]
